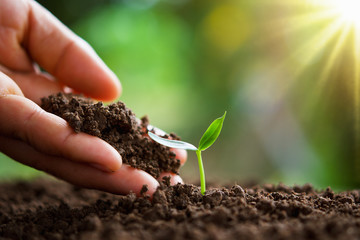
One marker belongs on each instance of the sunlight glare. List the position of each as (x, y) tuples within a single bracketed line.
[(348, 10), (345, 12)]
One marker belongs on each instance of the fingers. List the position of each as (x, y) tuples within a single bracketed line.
[(67, 57), (181, 154), (7, 86), (34, 85), (54, 47), (23, 119), (174, 178), (123, 181), (13, 24)]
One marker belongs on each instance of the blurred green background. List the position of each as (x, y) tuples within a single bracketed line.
[(286, 72)]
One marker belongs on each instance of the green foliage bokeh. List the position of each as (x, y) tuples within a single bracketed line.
[(184, 62)]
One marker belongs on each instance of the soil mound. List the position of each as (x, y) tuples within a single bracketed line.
[(55, 210), (117, 125)]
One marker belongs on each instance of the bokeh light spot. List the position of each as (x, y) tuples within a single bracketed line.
[(227, 27)]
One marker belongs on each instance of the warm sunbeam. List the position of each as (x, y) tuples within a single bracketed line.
[(347, 13), (334, 26), (323, 38), (348, 10)]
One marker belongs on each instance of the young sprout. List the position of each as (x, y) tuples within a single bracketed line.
[(208, 138)]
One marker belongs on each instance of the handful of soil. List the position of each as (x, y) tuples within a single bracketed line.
[(117, 125)]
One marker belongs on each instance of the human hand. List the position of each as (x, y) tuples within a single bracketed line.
[(30, 37)]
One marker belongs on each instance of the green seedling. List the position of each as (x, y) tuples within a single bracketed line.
[(208, 138)]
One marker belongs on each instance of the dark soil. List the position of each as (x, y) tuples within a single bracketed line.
[(48, 209), (118, 126), (55, 210)]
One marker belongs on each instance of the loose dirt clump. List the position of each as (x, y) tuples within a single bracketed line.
[(117, 125), (55, 210)]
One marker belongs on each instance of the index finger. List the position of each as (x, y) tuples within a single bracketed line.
[(59, 51), (69, 58)]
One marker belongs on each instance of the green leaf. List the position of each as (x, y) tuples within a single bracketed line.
[(172, 143), (212, 133)]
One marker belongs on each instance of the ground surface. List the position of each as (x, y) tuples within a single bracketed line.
[(46, 209)]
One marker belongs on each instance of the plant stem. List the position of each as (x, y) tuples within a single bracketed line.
[(202, 172)]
